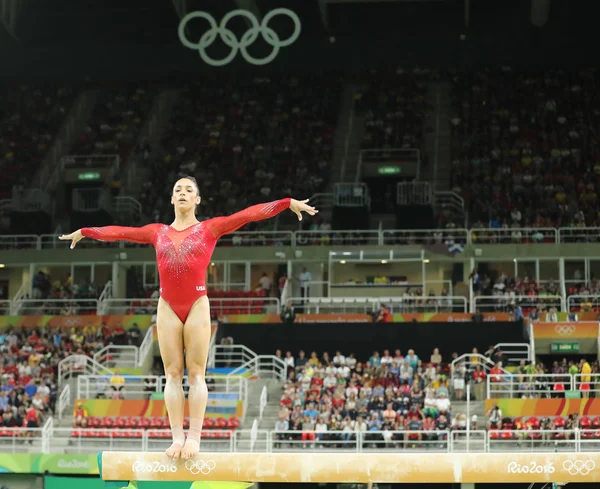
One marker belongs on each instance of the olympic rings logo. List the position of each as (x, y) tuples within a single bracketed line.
[(579, 466), (200, 466), (564, 330), (230, 39)]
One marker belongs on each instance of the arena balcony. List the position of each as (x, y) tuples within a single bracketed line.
[(350, 237)]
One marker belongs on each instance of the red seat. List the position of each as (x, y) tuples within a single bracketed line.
[(559, 424), (585, 424), (157, 422), (120, 421), (221, 423), (233, 423), (131, 421), (107, 422)]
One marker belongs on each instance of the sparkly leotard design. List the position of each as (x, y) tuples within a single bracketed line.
[(183, 256)]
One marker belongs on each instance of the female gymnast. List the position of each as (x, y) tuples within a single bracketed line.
[(183, 252)]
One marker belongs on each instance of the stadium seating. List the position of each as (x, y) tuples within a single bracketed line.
[(31, 116), (116, 121), (394, 106), (239, 136), (521, 147), (156, 427)]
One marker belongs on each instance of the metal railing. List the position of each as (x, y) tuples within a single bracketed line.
[(229, 305), (75, 365), (23, 440), (263, 401), (146, 348), (272, 305), (578, 302), (513, 235), (587, 384), (258, 238), (530, 386), (367, 305), (242, 360), (64, 401), (118, 356), (350, 237), (55, 307), (143, 386), (515, 352), (393, 237), (493, 303), (53, 439), (338, 238), (5, 308)]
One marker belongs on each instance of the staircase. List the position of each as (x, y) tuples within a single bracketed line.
[(438, 141), (50, 171), (135, 172), (270, 414), (348, 136)]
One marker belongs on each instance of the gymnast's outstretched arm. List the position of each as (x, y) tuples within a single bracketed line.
[(143, 235), (219, 226)]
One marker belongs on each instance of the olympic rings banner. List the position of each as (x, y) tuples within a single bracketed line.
[(562, 331), (545, 407), (229, 38)]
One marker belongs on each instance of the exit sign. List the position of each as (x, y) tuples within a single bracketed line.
[(564, 347), (389, 170), (89, 175)]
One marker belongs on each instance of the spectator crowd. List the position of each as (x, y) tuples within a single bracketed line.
[(246, 140), (390, 398)]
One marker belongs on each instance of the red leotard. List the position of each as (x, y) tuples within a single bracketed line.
[(183, 256)]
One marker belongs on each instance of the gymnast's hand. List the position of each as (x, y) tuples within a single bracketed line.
[(73, 237), (300, 206)]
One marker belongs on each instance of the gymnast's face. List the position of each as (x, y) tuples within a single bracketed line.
[(185, 195)]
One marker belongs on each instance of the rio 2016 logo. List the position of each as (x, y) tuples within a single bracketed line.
[(152, 467), (531, 468)]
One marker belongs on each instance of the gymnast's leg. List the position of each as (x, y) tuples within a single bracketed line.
[(196, 337), (170, 340)]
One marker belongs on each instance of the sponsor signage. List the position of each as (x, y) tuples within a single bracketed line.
[(20, 463), (565, 347)]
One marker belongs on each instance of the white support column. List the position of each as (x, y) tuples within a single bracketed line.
[(563, 289), (31, 275), (248, 275), (115, 279), (471, 295)]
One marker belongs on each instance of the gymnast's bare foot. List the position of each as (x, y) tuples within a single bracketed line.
[(174, 451), (190, 449)]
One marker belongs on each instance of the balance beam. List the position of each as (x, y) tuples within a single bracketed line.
[(352, 467)]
